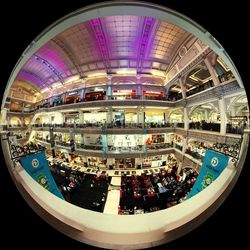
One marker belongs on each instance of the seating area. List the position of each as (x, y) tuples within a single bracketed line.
[(156, 191)]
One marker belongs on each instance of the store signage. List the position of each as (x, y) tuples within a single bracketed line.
[(73, 93), (98, 89), (124, 91), (37, 167), (152, 92), (213, 164)]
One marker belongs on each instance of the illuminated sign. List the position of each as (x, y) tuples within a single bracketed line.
[(152, 92), (124, 92), (73, 93)]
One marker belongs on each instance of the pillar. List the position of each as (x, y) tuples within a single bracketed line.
[(179, 167), (223, 118), (139, 87), (183, 89), (22, 121), (81, 117), (4, 116), (205, 115), (140, 116), (212, 72), (109, 87), (82, 91), (110, 116), (184, 145), (186, 118), (166, 116)]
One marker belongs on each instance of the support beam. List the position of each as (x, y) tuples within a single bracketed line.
[(183, 89), (186, 118), (223, 118), (212, 72), (109, 87), (139, 87)]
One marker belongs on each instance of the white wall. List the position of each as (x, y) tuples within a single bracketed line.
[(90, 139), (95, 117)]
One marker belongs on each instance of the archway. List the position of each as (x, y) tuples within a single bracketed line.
[(15, 122), (205, 117), (197, 80)]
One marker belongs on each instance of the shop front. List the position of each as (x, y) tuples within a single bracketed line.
[(58, 100), (126, 163), (95, 96), (153, 95), (73, 97), (124, 143), (71, 119), (123, 94), (95, 118), (119, 119), (130, 118), (154, 118), (154, 161)]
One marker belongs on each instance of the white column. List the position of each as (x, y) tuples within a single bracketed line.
[(109, 87), (186, 118), (109, 116), (140, 115), (179, 167), (82, 92), (4, 116), (139, 87), (166, 115), (184, 145), (223, 118), (183, 89), (206, 114), (81, 139), (81, 117), (50, 118), (212, 72)]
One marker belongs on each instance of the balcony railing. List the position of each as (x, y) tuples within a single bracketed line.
[(205, 126), (195, 155)]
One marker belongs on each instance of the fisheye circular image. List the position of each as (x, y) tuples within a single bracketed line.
[(124, 125)]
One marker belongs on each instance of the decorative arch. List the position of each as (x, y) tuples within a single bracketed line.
[(15, 121), (235, 100), (176, 111), (184, 78), (194, 107)]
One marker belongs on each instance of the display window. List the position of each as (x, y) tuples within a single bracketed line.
[(122, 94), (154, 116), (94, 96), (125, 163), (119, 119), (150, 93), (131, 117), (72, 99)]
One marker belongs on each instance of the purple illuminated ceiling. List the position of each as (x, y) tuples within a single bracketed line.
[(107, 43), (55, 56)]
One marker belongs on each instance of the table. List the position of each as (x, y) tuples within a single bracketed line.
[(116, 181)]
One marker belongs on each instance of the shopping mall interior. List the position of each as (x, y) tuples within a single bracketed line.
[(124, 106)]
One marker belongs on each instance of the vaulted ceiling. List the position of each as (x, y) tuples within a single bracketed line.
[(143, 44)]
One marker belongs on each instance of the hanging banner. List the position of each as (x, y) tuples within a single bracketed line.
[(212, 166), (37, 167)]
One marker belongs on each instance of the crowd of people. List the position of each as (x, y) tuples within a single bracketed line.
[(156, 191)]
